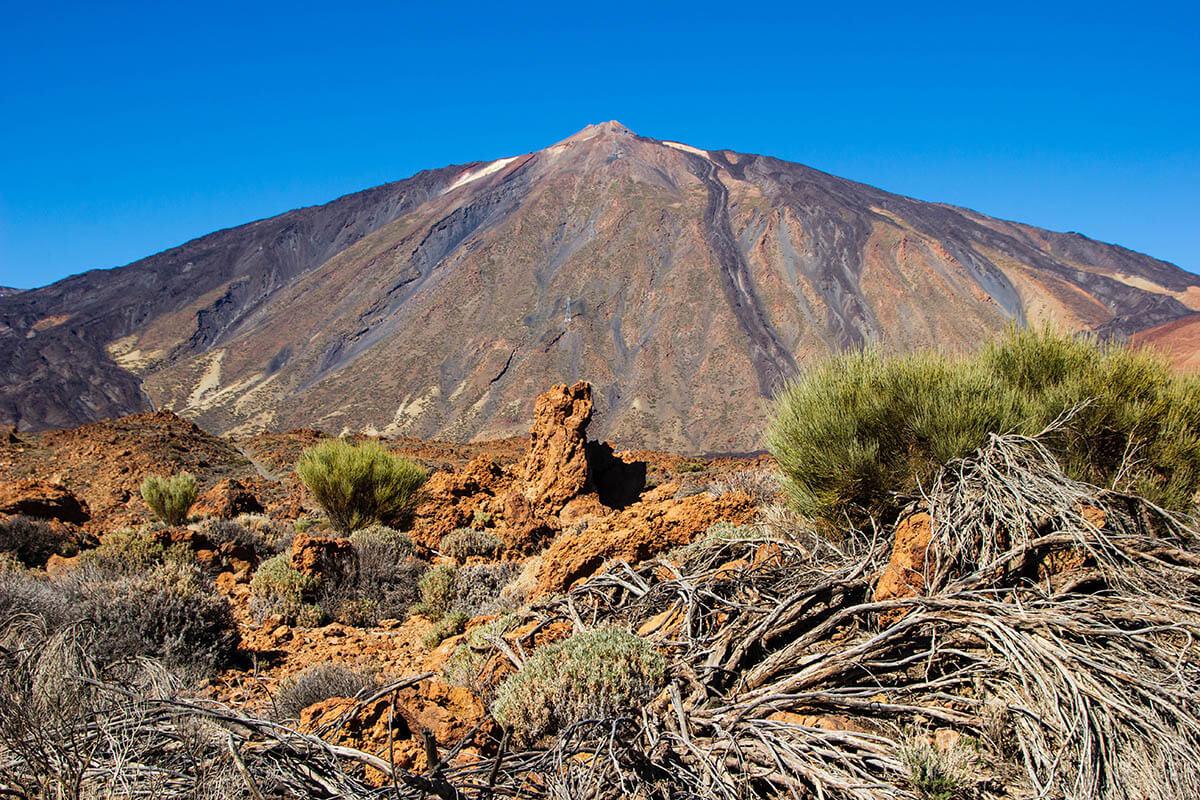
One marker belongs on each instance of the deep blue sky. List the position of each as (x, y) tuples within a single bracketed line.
[(128, 128)]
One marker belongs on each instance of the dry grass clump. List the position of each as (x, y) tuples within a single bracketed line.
[(32, 541), (171, 498), (315, 684), (762, 485), (360, 484)]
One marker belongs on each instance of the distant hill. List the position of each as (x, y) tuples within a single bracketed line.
[(686, 285)]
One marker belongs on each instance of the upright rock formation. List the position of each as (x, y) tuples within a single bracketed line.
[(555, 469)]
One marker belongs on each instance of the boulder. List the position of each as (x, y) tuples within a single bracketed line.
[(227, 499), (42, 500), (452, 498)]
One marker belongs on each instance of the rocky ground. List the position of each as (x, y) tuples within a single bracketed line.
[(1009, 626), (562, 505)]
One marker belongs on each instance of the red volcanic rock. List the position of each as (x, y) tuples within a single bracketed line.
[(905, 572), (556, 466), (227, 499), (42, 500), (320, 556), (643, 529)]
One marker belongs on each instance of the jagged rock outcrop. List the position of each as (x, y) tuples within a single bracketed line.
[(653, 525), (555, 469)]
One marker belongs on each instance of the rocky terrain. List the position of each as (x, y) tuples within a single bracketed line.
[(684, 284), (888, 663)]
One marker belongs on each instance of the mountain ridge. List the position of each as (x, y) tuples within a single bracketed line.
[(687, 285)]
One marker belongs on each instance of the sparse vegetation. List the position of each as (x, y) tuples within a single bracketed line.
[(171, 498), (134, 550), (378, 582), (360, 484), (463, 666), (478, 588), (857, 435), (462, 543), (937, 774), (315, 684), (278, 588), (597, 674), (171, 613)]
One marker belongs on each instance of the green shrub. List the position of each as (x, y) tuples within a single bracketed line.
[(436, 589), (593, 675), (481, 518), (461, 543), (936, 774), (314, 684), (358, 485), (278, 588), (452, 624), (171, 498), (857, 435)]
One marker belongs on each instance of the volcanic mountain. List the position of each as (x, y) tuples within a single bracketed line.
[(686, 285)]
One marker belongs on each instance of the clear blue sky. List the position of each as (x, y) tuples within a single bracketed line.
[(128, 128)]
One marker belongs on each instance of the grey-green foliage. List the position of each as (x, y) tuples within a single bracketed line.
[(462, 543), (171, 498), (360, 484), (436, 588), (452, 624), (856, 431), (596, 674), (463, 666), (380, 582), (170, 612)]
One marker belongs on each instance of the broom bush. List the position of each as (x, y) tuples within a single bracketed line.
[(859, 435)]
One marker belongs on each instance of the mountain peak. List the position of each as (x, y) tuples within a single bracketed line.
[(599, 129)]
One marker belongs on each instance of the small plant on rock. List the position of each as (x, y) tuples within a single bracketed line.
[(171, 498), (598, 674), (360, 484)]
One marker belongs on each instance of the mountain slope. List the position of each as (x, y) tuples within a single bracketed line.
[(686, 285)]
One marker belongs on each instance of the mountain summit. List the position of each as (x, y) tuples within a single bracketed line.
[(686, 285)]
